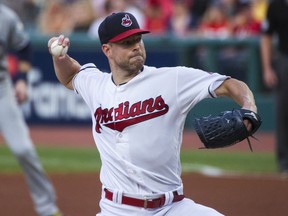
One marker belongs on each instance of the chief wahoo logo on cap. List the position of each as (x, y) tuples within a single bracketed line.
[(126, 21)]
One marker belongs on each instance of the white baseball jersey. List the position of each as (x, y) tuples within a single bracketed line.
[(138, 126)]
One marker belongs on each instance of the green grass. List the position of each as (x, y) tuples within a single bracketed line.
[(231, 161), (56, 159), (73, 160)]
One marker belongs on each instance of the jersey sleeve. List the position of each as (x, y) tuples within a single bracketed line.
[(195, 85), (86, 81)]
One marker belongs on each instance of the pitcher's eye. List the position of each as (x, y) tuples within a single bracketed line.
[(127, 43)]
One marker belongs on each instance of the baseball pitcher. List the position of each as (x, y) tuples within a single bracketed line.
[(138, 114)]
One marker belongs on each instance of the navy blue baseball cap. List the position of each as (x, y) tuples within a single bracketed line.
[(119, 26)]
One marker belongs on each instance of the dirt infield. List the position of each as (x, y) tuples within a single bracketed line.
[(78, 194)]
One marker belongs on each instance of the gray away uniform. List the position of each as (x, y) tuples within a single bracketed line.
[(12, 123)]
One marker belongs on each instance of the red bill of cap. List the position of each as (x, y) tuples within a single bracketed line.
[(128, 33)]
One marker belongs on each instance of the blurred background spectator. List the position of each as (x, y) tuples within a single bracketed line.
[(82, 14), (65, 16), (182, 23), (158, 14), (244, 24), (98, 8), (198, 8), (27, 10), (55, 18), (215, 23), (111, 6)]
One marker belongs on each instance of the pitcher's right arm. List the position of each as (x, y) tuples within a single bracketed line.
[(65, 67)]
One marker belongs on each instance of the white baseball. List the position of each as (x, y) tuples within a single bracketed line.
[(58, 50)]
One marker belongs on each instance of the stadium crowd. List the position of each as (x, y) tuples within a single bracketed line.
[(182, 18)]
